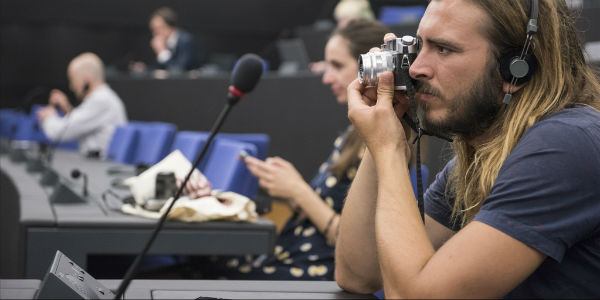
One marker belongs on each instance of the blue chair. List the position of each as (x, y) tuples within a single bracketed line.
[(37, 134), (122, 144), (260, 140), (26, 128), (224, 170), (190, 143), (10, 123), (154, 141), (35, 108), (5, 119), (395, 15)]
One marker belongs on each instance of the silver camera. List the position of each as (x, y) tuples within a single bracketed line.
[(396, 55)]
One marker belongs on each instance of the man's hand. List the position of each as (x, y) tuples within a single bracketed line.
[(376, 116), (60, 100), (137, 67), (158, 43), (377, 113), (46, 112)]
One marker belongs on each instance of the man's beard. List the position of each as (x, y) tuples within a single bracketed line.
[(470, 114)]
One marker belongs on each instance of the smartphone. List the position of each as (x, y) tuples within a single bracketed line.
[(242, 155)]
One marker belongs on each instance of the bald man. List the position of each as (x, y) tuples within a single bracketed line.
[(91, 123)]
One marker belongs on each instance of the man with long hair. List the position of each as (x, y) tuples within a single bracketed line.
[(516, 213)]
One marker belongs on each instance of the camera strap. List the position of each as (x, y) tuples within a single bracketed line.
[(415, 125)]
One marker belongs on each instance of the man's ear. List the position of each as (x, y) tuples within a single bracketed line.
[(513, 88)]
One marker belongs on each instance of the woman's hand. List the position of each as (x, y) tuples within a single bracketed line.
[(279, 178)]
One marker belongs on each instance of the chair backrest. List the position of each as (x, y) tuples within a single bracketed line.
[(5, 121), (37, 133), (225, 171), (9, 122), (154, 141), (394, 15), (190, 143), (260, 140), (26, 128), (122, 144)]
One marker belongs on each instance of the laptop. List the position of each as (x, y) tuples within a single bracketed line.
[(293, 56)]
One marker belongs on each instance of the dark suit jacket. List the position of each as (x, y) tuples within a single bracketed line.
[(186, 55)]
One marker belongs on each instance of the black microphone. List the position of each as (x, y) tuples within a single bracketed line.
[(244, 78), (75, 173), (38, 92)]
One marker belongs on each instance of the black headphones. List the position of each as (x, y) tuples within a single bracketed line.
[(86, 88), (518, 64)]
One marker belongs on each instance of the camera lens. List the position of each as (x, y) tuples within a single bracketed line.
[(372, 64), (361, 69)]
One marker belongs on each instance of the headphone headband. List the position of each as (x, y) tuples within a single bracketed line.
[(532, 25)]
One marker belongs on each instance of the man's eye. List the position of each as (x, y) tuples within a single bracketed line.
[(443, 50)]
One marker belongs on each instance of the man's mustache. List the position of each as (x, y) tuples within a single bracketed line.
[(425, 88)]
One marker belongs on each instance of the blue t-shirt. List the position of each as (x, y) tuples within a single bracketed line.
[(546, 195)]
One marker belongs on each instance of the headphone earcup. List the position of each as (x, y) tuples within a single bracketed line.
[(512, 56)]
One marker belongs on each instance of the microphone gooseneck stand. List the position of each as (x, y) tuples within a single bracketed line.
[(134, 266), (244, 78)]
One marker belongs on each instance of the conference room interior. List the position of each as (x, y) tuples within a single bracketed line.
[(290, 107)]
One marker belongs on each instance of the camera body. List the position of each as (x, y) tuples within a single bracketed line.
[(396, 55), (165, 188)]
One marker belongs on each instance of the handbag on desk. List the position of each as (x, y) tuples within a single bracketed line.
[(200, 202)]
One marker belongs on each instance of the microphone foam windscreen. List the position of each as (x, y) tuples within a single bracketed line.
[(75, 173), (247, 72)]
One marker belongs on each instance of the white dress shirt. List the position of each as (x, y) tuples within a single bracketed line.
[(91, 124)]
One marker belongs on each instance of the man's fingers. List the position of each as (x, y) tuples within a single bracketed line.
[(354, 90), (389, 36), (385, 89), (375, 49)]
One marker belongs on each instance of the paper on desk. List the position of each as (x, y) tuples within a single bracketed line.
[(218, 206)]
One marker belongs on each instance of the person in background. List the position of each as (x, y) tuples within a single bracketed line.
[(344, 12), (516, 213), (348, 10), (91, 123), (176, 49), (305, 246)]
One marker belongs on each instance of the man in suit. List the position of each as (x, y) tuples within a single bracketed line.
[(175, 48)]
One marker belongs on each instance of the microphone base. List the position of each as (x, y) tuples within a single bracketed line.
[(4, 146), (66, 280), (49, 177), (35, 165), (18, 155), (64, 194)]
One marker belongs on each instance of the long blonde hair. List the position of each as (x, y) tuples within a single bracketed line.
[(562, 80)]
